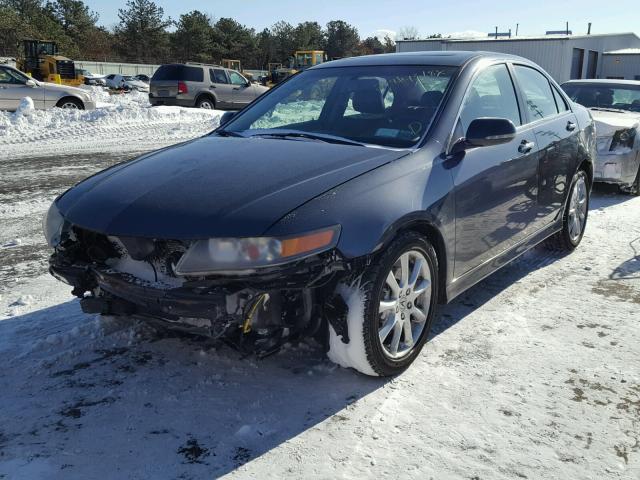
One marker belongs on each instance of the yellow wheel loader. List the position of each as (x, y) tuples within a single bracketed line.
[(42, 61)]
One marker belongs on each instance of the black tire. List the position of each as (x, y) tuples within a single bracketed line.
[(635, 189), (564, 241), (206, 102), (67, 103), (372, 285)]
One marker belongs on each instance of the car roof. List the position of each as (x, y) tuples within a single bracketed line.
[(446, 58), (603, 81)]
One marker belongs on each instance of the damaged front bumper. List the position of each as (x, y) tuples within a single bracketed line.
[(617, 167), (212, 306)]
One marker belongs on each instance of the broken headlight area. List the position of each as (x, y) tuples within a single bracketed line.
[(623, 139), (255, 311)]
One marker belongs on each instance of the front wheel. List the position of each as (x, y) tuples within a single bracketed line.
[(390, 312), (70, 104), (574, 218)]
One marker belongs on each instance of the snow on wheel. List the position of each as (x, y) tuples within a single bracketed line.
[(390, 309)]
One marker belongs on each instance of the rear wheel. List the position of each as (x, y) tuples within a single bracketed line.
[(206, 103), (399, 292), (574, 218), (70, 104), (635, 189)]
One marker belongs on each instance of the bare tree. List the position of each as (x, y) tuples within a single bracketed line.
[(407, 33)]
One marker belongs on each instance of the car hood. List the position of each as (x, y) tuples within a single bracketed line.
[(214, 186), (608, 123)]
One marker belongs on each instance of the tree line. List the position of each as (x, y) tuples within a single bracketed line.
[(144, 34)]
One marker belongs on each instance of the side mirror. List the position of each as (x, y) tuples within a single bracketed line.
[(226, 117), (31, 83), (486, 132)]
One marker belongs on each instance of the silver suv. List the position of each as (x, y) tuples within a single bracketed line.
[(202, 86)]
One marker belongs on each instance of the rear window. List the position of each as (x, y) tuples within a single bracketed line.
[(179, 72)]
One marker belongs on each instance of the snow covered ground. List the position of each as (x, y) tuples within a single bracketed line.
[(120, 123), (534, 373)]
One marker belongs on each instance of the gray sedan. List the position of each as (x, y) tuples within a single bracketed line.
[(15, 85)]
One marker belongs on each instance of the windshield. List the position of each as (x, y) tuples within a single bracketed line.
[(383, 105), (619, 97)]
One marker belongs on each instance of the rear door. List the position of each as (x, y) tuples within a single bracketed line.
[(556, 131), (221, 87), (495, 186), (243, 91)]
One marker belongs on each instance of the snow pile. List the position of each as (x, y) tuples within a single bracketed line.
[(352, 354), (26, 107), (123, 122)]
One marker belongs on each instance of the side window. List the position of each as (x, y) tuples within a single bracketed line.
[(8, 76), (218, 76), (5, 77), (560, 101), (236, 78), (537, 92), (491, 94)]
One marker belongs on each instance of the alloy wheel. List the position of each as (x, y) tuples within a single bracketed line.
[(70, 105), (578, 209), (404, 304)]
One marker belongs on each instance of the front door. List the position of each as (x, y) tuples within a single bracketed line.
[(13, 89), (243, 91), (221, 87), (496, 186)]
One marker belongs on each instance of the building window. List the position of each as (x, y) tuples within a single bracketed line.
[(576, 63), (637, 77), (592, 64)]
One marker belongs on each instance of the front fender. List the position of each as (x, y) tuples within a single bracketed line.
[(374, 207)]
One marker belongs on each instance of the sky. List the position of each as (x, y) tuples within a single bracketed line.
[(445, 16)]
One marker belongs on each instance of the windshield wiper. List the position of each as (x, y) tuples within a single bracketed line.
[(608, 109), (228, 133), (310, 136)]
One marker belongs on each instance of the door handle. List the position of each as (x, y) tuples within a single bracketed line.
[(526, 146), (571, 126), (212, 86)]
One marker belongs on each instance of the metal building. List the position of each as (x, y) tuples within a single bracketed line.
[(565, 57), (622, 64)]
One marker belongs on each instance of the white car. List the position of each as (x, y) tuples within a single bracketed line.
[(615, 107), (125, 82), (15, 85), (91, 78)]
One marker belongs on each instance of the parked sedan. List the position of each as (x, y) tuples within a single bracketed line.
[(15, 85), (615, 106), (91, 78), (125, 82), (345, 203)]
